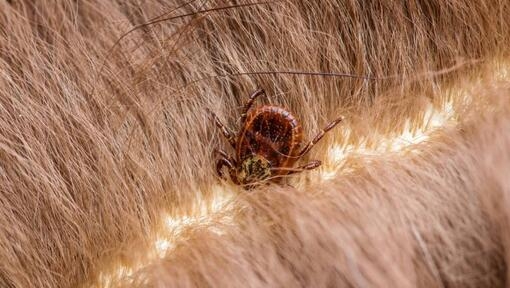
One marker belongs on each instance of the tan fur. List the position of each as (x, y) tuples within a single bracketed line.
[(102, 141)]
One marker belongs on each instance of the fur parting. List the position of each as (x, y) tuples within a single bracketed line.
[(104, 136), (402, 221)]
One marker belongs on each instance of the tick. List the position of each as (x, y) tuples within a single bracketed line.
[(267, 146)]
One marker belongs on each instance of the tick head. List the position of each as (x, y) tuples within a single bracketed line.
[(253, 169)]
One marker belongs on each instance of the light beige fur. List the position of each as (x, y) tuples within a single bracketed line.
[(103, 133)]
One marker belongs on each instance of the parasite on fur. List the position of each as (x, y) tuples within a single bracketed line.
[(267, 145)]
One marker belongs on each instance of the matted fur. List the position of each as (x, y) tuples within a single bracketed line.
[(103, 133)]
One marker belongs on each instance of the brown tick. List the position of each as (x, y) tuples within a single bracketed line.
[(267, 146)]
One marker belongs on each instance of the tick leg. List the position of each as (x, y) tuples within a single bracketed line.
[(226, 133), (309, 166), (223, 154), (319, 136), (224, 161), (249, 103)]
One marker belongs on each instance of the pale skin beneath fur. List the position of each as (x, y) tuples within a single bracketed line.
[(103, 155)]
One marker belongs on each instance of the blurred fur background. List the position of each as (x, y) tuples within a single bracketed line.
[(104, 141)]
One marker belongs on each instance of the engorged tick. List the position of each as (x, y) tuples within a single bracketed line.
[(267, 146)]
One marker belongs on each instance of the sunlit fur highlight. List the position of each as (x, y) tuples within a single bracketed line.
[(106, 166)]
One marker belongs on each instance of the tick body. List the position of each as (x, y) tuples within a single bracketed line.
[(267, 146)]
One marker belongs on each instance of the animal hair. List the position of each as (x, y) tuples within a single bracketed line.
[(106, 147)]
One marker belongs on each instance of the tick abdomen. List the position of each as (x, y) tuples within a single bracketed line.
[(273, 133)]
